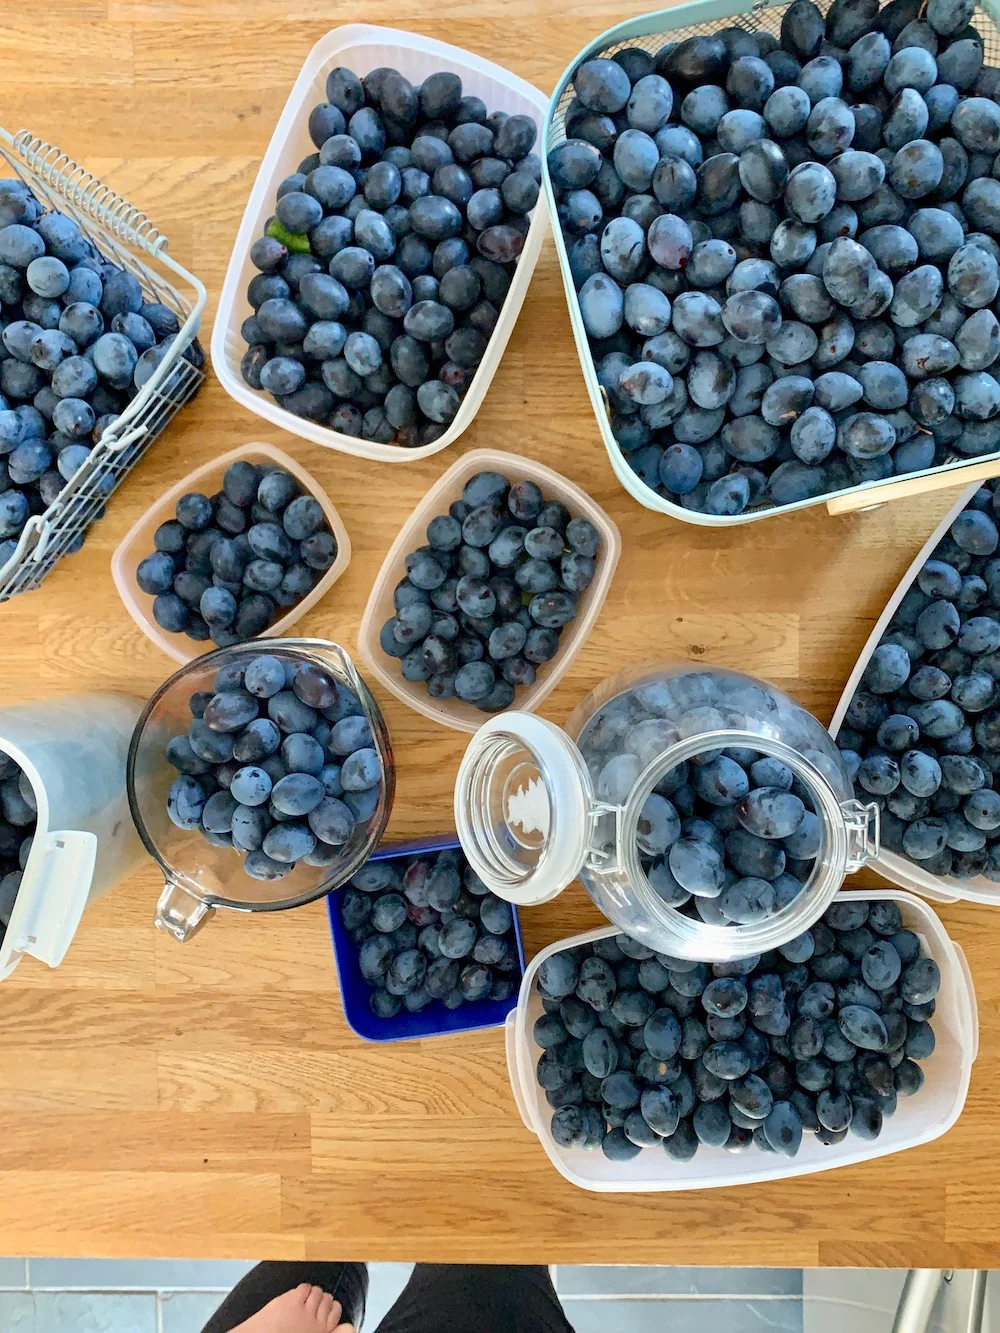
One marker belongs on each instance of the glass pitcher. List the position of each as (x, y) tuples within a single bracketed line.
[(199, 876), (532, 814)]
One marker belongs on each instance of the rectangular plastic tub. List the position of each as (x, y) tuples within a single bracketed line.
[(900, 869), (919, 1119), (435, 1020), (363, 47), (124, 235), (651, 31), (138, 543), (380, 608)]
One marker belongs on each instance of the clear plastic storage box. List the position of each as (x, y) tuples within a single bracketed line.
[(138, 543), (380, 608), (533, 814), (363, 47), (920, 1119)]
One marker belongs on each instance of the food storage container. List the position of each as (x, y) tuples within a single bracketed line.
[(73, 752), (531, 817), (652, 31), (894, 866), (920, 1119), (138, 543), (363, 47), (124, 235), (433, 1021), (380, 608), (200, 877)]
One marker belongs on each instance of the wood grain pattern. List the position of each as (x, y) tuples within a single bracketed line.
[(210, 1099)]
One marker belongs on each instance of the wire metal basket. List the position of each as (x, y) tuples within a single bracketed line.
[(650, 32), (125, 236)]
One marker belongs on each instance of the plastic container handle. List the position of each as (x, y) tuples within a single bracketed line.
[(179, 913), (513, 1072), (972, 1004), (60, 890)]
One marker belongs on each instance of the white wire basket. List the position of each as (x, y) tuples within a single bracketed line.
[(125, 236), (650, 32)]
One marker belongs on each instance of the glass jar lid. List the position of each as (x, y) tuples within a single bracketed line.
[(524, 805)]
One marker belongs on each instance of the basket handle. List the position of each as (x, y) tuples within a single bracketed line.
[(81, 188), (910, 486)]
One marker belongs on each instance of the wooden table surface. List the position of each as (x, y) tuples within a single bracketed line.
[(209, 1099)]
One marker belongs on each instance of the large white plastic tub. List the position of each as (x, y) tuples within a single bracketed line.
[(362, 48), (900, 869), (651, 32), (919, 1119)]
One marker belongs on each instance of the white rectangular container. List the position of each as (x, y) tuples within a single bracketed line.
[(363, 47), (900, 869), (919, 1119), (652, 31)]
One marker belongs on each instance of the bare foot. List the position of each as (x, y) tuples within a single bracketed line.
[(306, 1309)]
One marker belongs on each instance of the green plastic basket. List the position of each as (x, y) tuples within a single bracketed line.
[(649, 32)]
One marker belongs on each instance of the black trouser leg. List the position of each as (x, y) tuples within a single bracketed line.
[(477, 1298), (348, 1283)]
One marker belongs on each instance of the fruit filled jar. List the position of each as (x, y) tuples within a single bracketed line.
[(706, 813), (260, 777)]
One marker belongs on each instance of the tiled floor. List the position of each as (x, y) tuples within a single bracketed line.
[(178, 1296)]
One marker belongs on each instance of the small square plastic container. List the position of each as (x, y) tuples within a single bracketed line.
[(900, 869), (434, 1021), (138, 543), (919, 1119), (380, 608), (363, 47)]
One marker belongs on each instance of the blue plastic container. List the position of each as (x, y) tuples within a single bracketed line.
[(435, 1020)]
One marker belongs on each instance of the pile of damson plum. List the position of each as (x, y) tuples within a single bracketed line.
[(785, 250)]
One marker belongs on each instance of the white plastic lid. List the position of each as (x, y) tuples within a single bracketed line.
[(523, 798)]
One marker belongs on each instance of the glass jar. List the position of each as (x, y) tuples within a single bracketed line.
[(537, 806), (200, 876)]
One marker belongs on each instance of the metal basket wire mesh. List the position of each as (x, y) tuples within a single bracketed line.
[(125, 236), (651, 33)]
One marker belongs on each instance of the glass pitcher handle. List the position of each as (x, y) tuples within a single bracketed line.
[(179, 913), (863, 829)]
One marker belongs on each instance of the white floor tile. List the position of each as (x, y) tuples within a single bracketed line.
[(678, 1315), (187, 1311), (135, 1274), (77, 1312), (615, 1280), (13, 1273), (385, 1282)]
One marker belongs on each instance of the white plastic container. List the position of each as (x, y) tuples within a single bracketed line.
[(138, 543), (900, 869), (380, 608), (919, 1119), (363, 47), (73, 751), (651, 32)]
